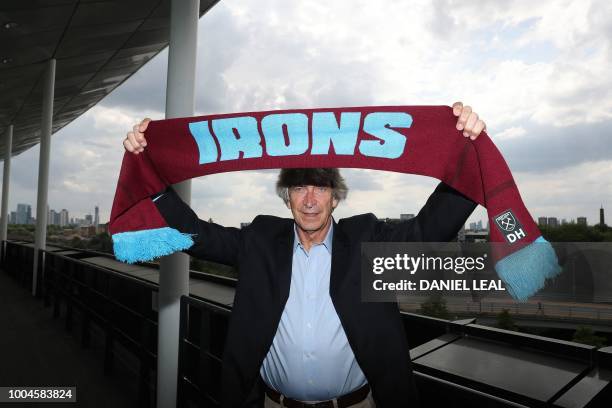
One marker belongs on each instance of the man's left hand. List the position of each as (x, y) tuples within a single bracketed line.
[(468, 121)]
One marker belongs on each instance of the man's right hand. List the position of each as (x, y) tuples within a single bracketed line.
[(135, 141)]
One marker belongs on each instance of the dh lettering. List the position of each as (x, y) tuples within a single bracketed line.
[(516, 235)]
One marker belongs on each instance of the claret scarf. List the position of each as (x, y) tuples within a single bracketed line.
[(407, 139)]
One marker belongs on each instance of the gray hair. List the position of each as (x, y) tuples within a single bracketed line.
[(325, 177)]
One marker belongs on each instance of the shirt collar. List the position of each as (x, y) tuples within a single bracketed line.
[(327, 242)]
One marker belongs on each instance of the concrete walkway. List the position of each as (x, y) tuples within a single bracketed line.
[(36, 350)]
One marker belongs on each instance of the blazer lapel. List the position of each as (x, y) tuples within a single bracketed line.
[(284, 253), (339, 263)]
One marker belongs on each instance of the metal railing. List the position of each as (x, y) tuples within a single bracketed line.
[(18, 259), (581, 313), (204, 325), (202, 337), (123, 309), (105, 303)]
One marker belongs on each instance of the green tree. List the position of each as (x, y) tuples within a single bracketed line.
[(77, 243), (585, 335), (212, 268), (505, 321), (435, 306), (577, 233)]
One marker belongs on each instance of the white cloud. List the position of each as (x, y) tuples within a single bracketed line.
[(72, 186), (512, 132), (114, 120), (568, 193), (536, 72)]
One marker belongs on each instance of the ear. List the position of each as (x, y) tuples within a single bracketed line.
[(288, 204), (334, 203)]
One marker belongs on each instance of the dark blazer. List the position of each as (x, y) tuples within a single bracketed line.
[(262, 253)]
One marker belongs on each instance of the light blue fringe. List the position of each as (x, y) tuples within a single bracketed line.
[(525, 271), (145, 245)]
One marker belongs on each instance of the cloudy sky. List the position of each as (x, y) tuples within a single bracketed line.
[(538, 73)]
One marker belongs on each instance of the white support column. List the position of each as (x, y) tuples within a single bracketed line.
[(174, 269), (40, 239), (6, 177)]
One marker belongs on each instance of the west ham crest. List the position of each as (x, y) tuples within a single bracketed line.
[(506, 221), (509, 226)]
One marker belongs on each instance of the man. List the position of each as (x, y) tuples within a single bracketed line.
[(299, 334)]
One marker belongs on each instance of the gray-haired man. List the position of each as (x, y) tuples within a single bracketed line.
[(299, 335)]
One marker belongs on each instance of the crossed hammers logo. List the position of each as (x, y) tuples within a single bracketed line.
[(506, 221)]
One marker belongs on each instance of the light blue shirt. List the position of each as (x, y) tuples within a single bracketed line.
[(310, 358)]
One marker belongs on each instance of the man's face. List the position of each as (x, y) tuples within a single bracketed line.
[(311, 206)]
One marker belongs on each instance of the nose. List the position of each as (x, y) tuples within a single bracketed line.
[(309, 198)]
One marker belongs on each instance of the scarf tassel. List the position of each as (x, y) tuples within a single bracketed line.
[(525, 271), (144, 245)]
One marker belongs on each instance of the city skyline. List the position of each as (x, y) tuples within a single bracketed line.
[(478, 224), (23, 215)]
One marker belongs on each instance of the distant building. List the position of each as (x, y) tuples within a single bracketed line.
[(602, 220), (88, 219), (476, 226), (87, 230), (542, 221), (24, 213), (56, 218), (13, 218), (244, 224), (552, 222), (406, 216), (581, 221), (63, 218), (51, 217), (563, 221), (96, 216)]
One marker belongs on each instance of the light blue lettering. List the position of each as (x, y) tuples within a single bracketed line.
[(205, 141), (379, 124), (297, 134), (248, 142), (325, 131)]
